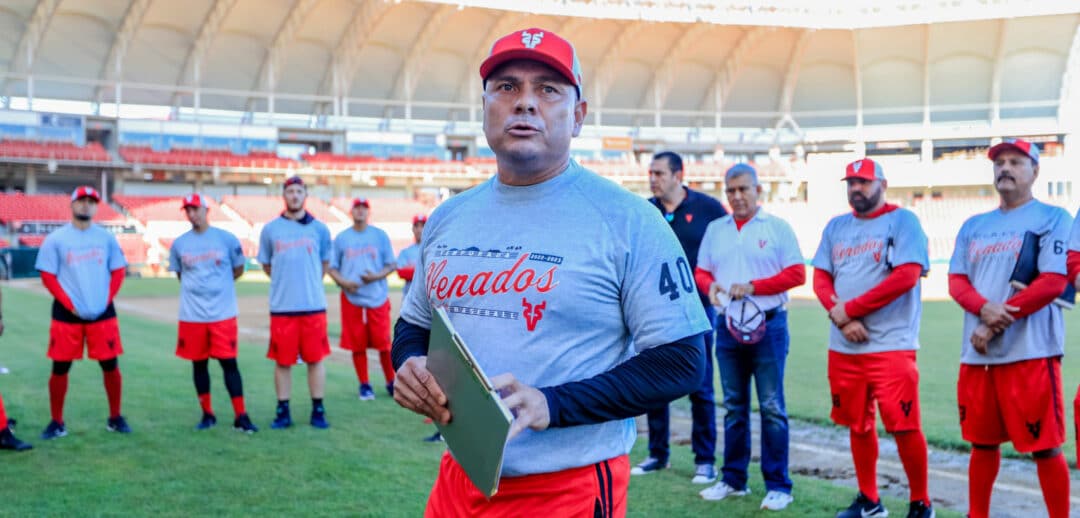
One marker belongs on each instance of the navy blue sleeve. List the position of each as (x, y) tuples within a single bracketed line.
[(409, 340), (654, 377)]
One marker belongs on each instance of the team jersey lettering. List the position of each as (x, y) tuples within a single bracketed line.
[(442, 286), (361, 251), (74, 257), (874, 246), (981, 248), (282, 245), (192, 260)]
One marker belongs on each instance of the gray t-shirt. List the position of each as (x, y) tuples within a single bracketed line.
[(205, 263), (358, 253), (856, 252), (553, 283), (986, 251)]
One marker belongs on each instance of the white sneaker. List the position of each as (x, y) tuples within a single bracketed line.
[(704, 474), (776, 500), (721, 491)]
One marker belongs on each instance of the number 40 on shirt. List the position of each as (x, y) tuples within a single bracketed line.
[(668, 285)]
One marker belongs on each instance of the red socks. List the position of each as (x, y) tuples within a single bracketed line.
[(1054, 479), (238, 406), (58, 386), (113, 384), (387, 366), (204, 402), (1076, 419), (912, 449), (3, 415), (982, 471), (359, 361), (864, 451)]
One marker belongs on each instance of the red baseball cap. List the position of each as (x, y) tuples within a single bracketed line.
[(361, 202), (193, 200), (419, 218), (865, 169), (293, 180), (1015, 144), (536, 45), (85, 192)]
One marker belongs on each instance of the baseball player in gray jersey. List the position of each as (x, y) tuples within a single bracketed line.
[(1010, 362)]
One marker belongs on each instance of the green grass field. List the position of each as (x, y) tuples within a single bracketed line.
[(370, 463)]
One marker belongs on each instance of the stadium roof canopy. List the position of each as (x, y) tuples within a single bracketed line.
[(756, 63)]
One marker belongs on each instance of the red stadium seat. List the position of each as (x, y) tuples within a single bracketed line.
[(205, 158), (47, 207), (261, 209), (92, 152), (163, 208)]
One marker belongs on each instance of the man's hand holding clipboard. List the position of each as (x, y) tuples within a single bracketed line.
[(416, 389)]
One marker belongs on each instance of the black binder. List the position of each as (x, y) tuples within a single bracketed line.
[(1027, 269)]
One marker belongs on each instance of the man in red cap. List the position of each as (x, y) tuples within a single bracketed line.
[(361, 259), (82, 266), (572, 291), (866, 275), (207, 261), (1009, 388)]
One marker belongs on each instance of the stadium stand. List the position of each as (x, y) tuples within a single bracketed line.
[(257, 210), (163, 208), (134, 248), (20, 207), (336, 162), (386, 210), (31, 241), (205, 158), (29, 149)]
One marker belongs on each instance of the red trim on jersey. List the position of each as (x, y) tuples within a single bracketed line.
[(885, 209), (57, 291), (115, 281), (790, 277), (406, 272), (1072, 264), (1042, 291), (902, 279), (704, 279), (740, 222), (824, 288), (964, 293)]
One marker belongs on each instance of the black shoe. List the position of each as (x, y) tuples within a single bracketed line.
[(54, 430), (919, 509), (243, 424), (207, 422), (8, 441), (863, 507), (117, 424), (390, 388), (318, 420)]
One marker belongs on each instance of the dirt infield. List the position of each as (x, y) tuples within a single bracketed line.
[(253, 319)]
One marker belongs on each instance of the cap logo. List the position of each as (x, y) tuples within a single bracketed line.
[(856, 165), (531, 40)]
